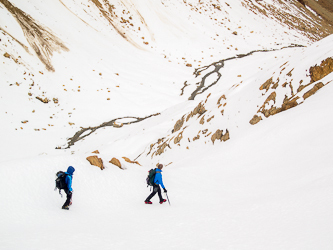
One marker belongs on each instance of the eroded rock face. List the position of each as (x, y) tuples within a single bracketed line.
[(95, 161), (319, 72)]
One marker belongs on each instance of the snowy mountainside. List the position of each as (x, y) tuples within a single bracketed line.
[(126, 54), (249, 90), (233, 97)]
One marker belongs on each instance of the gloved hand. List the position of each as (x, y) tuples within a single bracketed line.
[(165, 190)]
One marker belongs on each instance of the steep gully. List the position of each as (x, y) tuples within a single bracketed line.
[(84, 132)]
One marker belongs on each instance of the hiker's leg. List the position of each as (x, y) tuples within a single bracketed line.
[(69, 197), (153, 193), (159, 193)]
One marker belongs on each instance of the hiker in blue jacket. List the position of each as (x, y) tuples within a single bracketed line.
[(156, 186), (68, 190)]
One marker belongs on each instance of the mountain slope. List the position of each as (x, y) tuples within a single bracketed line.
[(233, 97), (253, 192)]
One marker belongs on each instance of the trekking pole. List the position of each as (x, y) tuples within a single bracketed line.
[(168, 198)]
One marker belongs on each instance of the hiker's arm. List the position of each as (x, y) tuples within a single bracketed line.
[(161, 182), (69, 183)]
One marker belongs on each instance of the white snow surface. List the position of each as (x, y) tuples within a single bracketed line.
[(269, 187)]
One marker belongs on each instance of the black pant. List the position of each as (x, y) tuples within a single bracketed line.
[(69, 197), (156, 189)]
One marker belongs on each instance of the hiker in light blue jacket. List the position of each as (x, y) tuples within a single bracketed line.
[(156, 186)]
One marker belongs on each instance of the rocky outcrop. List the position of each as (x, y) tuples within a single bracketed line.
[(95, 161), (178, 125), (319, 72), (6, 55), (200, 109), (266, 85), (161, 148), (315, 88), (129, 161), (218, 135), (45, 100), (293, 98), (116, 162), (255, 119), (178, 138)]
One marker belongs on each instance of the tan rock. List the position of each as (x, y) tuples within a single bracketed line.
[(266, 84), (200, 109), (116, 162), (202, 120), (178, 138), (161, 148), (319, 72), (219, 100), (117, 125), (128, 160), (315, 88), (178, 125), (95, 161), (218, 135), (45, 100), (255, 119), (226, 136)]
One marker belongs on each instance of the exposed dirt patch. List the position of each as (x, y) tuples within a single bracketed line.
[(315, 26), (323, 8), (118, 22), (43, 42)]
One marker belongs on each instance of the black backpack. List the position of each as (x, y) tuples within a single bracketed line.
[(60, 182), (151, 176)]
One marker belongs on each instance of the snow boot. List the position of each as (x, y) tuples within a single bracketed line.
[(65, 207), (148, 202), (162, 201)]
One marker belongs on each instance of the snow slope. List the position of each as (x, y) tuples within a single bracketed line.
[(254, 192), (268, 187)]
